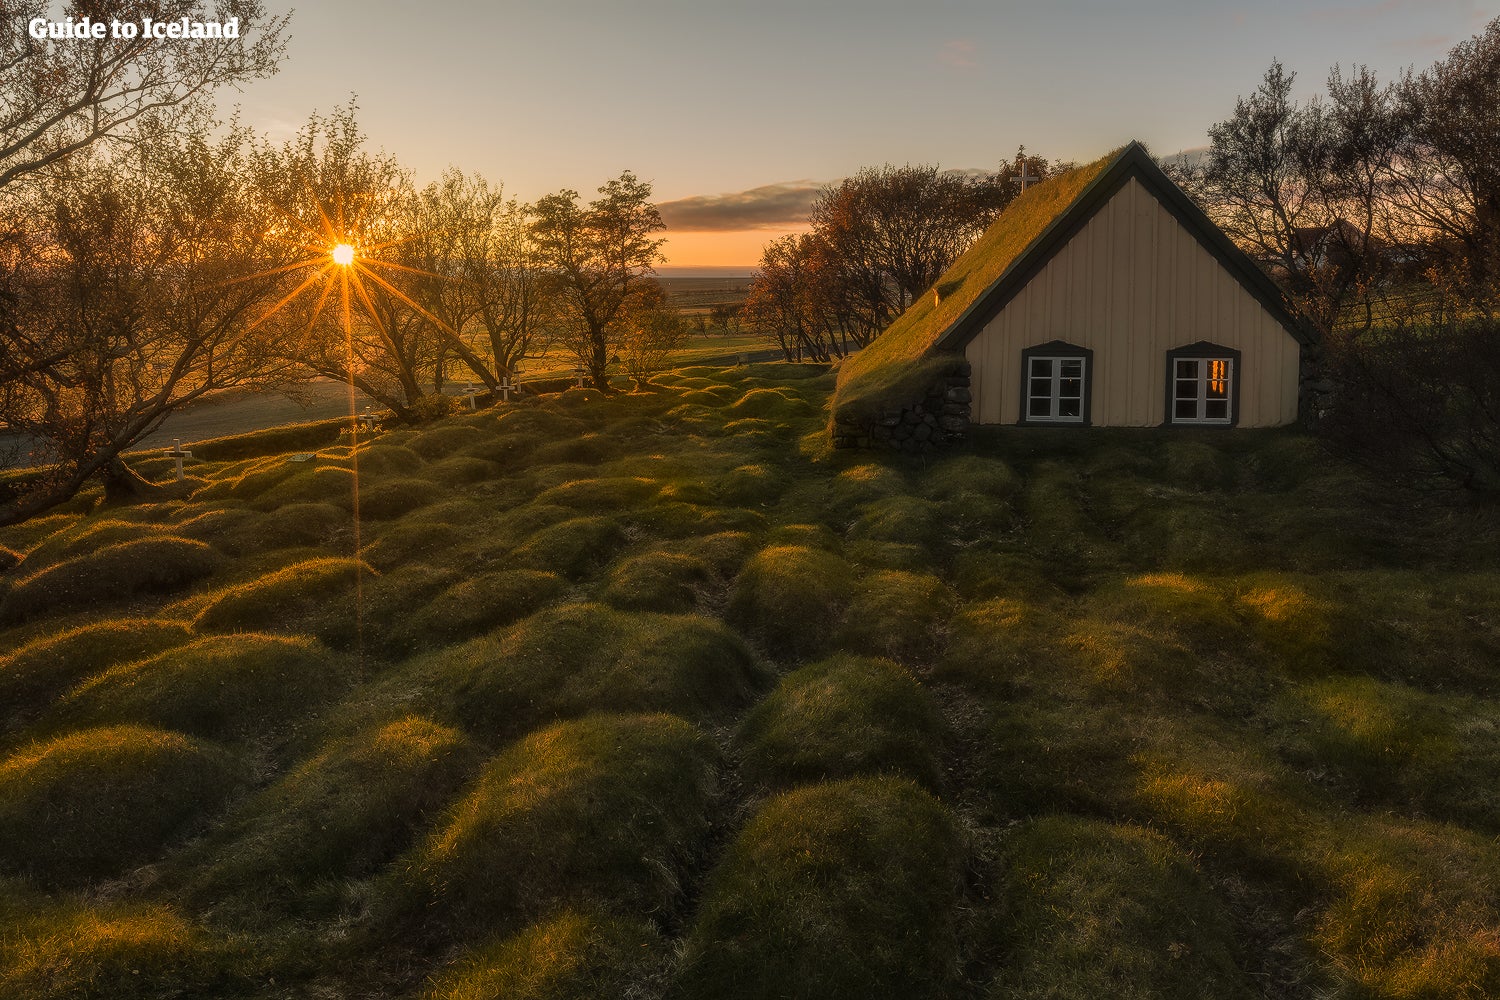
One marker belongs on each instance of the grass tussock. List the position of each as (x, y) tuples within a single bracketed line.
[(834, 890), (610, 809), (843, 717), (154, 565), (898, 614), (574, 659), (231, 686), (97, 801)]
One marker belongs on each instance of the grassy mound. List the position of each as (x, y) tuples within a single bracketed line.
[(608, 808), (243, 685), (613, 493), (577, 658), (460, 470), (479, 604), (440, 442), (86, 536), (390, 498), (572, 548), (1098, 910), (572, 956), (285, 598), (897, 614), (379, 460), (791, 598), (35, 674), (67, 951), (837, 890), (97, 801), (291, 526), (840, 718), (408, 542), (341, 814), (657, 581), (130, 569)]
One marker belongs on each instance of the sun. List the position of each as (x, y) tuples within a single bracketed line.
[(343, 254)]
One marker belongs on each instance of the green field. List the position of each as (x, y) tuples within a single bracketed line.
[(650, 695)]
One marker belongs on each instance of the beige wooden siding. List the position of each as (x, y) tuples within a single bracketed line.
[(1132, 285)]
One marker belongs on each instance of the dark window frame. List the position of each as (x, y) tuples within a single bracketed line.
[(1057, 349), (1199, 351)]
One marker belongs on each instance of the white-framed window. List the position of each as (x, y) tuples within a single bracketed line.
[(1055, 388), (1202, 390)]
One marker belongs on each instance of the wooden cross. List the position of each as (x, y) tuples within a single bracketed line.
[(505, 387), (176, 452), (368, 419), (469, 389), (579, 371)]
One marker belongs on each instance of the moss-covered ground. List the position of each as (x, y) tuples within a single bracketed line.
[(653, 696)]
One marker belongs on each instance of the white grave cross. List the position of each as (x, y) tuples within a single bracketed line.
[(176, 452)]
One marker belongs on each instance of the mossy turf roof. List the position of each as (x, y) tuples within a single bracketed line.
[(928, 339)]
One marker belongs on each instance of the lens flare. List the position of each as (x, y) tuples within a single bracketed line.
[(343, 255)]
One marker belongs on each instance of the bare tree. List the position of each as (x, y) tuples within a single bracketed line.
[(144, 276), (597, 256), (58, 97)]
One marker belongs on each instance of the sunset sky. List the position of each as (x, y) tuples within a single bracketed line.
[(737, 112)]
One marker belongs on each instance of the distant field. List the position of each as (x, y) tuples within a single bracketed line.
[(652, 696)]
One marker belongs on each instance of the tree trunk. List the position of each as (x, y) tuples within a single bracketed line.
[(123, 486)]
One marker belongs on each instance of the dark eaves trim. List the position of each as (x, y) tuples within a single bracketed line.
[(1135, 162)]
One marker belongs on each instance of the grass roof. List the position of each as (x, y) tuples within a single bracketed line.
[(899, 364)]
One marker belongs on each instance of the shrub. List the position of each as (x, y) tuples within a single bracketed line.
[(838, 890), (1421, 404), (478, 604), (839, 718), (130, 569), (244, 685), (285, 598), (791, 598), (348, 810), (572, 956), (98, 801), (576, 658), (610, 809), (656, 581), (1095, 909), (33, 675)]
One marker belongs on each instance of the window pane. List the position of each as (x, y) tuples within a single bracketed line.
[(1218, 378), (1039, 408), (1070, 387), (1216, 409), (1041, 387), (1187, 369), (1186, 408), (1070, 407), (1187, 389), (1072, 368), (1041, 367)]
